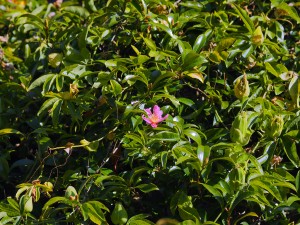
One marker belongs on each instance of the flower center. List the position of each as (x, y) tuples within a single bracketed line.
[(154, 118)]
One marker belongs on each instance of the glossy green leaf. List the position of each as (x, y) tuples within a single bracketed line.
[(193, 134), (119, 214), (150, 43), (238, 197), (77, 10), (94, 211), (55, 111), (245, 17), (59, 82), (116, 87), (253, 214), (267, 187), (165, 29), (294, 90), (199, 42), (192, 59), (39, 81), (297, 182), (289, 11), (216, 194), (290, 150), (147, 187), (165, 136)]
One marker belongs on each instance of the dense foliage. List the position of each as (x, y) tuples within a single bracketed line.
[(149, 111)]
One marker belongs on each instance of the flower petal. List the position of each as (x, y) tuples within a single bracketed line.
[(157, 112), (148, 111), (146, 119), (163, 118)]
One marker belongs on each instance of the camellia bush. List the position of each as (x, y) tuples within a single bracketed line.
[(143, 112)]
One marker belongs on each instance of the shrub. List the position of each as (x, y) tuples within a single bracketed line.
[(143, 112)]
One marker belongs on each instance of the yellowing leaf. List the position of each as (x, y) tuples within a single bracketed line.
[(55, 59), (258, 37), (9, 131), (196, 75)]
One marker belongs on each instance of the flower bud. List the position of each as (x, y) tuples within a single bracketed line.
[(239, 131), (258, 37), (275, 127), (241, 88), (71, 193)]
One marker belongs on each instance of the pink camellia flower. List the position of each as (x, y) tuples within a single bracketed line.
[(155, 117)]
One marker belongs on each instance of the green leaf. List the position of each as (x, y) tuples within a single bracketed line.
[(265, 185), (238, 197), (290, 150), (13, 203), (34, 20), (165, 136), (116, 87), (137, 217), (135, 175), (253, 214), (150, 43), (147, 187), (76, 10), (93, 209), (193, 134), (74, 113), (22, 163), (225, 44), (199, 43), (246, 53), (9, 209), (294, 90), (216, 194), (141, 59), (271, 69), (46, 105), (297, 182), (59, 82), (55, 111), (26, 204), (162, 77), (119, 214), (187, 101), (289, 11), (39, 81), (164, 28), (53, 201), (192, 59), (141, 222), (183, 159), (244, 16), (90, 4), (187, 213)]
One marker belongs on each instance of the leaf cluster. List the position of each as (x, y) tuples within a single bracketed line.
[(77, 76)]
